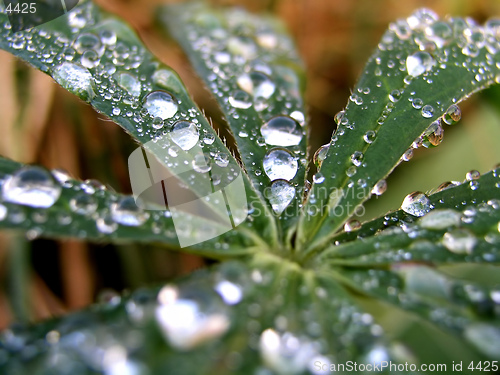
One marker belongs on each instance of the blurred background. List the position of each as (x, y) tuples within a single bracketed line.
[(43, 124)]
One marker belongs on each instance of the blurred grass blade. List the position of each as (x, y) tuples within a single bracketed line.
[(421, 68), (250, 65), (55, 205), (99, 58)]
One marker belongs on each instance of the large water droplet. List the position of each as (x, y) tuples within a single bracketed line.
[(76, 79), (127, 213), (459, 241), (160, 104), (257, 84), (369, 136), (201, 163), (87, 41), (380, 187), (427, 111), (419, 63), (190, 317), (416, 204), (357, 158), (433, 136), (129, 82), (440, 219), (352, 225), (185, 135), (282, 131), (31, 186), (280, 164), (280, 195), (320, 154)]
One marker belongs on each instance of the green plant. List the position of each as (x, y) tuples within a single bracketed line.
[(293, 293)]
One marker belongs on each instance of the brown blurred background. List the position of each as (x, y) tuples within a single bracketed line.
[(41, 123)]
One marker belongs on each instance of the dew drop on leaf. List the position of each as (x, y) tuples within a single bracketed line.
[(380, 187), (280, 164), (280, 195), (419, 63), (416, 204), (369, 136), (160, 104), (318, 178), (129, 82), (83, 204), (185, 135), (459, 241), (472, 175), (427, 111), (452, 115), (282, 131), (320, 154), (201, 163), (257, 84), (76, 79), (440, 219), (126, 212), (240, 99), (31, 186), (352, 225)]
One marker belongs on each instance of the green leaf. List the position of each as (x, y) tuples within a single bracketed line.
[(250, 65), (236, 318), (51, 205), (99, 58), (422, 67)]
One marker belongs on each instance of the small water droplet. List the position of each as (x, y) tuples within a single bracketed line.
[(357, 158), (427, 111), (31, 186), (472, 175), (257, 84), (352, 225), (452, 115), (282, 131), (83, 204), (201, 163), (380, 187), (434, 134), (459, 241), (320, 154), (185, 135), (417, 103), (407, 155), (221, 159), (318, 178), (280, 164), (240, 99), (76, 79), (127, 213), (369, 136), (419, 63), (416, 204), (160, 104), (106, 225), (280, 195), (395, 95)]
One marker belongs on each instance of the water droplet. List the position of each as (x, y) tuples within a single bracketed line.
[(459, 241), (221, 159), (257, 84), (452, 115), (129, 83), (380, 187), (280, 164), (352, 225), (31, 186), (185, 135), (87, 41), (440, 33), (440, 219), (417, 103), (83, 204), (394, 95), (242, 46), (108, 37), (201, 163), (434, 134), (407, 155), (157, 123), (286, 354), (357, 158), (106, 225), (318, 178), (282, 131), (416, 204), (427, 111), (472, 175), (320, 154), (127, 213), (280, 195), (240, 99), (76, 79), (189, 317), (160, 104), (369, 136), (419, 63), (90, 59), (299, 117)]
